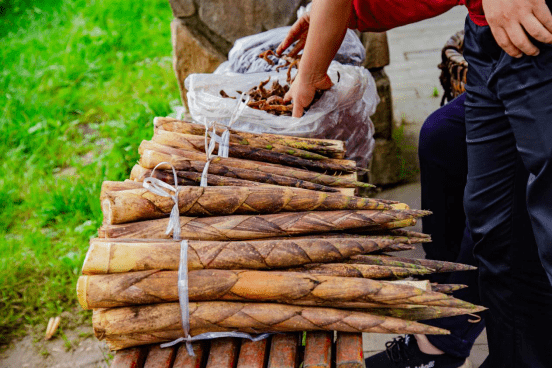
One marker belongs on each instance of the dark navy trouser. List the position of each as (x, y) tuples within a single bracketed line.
[(443, 171), (509, 134)]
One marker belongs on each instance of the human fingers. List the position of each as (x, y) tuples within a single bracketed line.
[(300, 27), (291, 37), (520, 40), (301, 95), (297, 48), (288, 96), (502, 39), (544, 16), (297, 110), (541, 26)]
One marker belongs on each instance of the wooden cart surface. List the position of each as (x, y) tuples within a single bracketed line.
[(320, 350)]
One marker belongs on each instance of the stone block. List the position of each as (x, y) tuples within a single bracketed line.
[(385, 168), (182, 8), (377, 49), (233, 19), (192, 53), (383, 117)]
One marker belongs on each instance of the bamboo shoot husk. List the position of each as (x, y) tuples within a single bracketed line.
[(303, 159), (244, 227), (191, 141), (405, 239), (438, 266), (175, 156), (400, 232), (113, 186), (421, 313), (155, 286), (139, 173), (360, 270), (327, 147), (124, 206), (125, 255), (138, 325), (383, 262), (447, 288), (386, 227), (150, 159), (399, 248)]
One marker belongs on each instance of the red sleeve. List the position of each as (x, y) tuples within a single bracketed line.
[(382, 15)]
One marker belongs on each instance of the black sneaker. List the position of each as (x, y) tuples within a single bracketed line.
[(403, 352)]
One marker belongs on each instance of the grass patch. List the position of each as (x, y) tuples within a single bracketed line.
[(407, 153), (81, 82)]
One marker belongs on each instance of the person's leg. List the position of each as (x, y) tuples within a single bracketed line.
[(525, 87), (513, 284), (443, 166), (464, 329), (443, 171)]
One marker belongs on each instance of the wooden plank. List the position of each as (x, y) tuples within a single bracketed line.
[(283, 351), (130, 358), (318, 349), (252, 354), (223, 353), (160, 357), (349, 350), (184, 360)]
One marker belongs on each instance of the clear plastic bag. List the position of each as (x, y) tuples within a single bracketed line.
[(244, 56), (343, 112)]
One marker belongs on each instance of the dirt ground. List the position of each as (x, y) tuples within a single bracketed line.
[(77, 348)]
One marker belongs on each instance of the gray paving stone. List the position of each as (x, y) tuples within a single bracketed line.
[(415, 52)]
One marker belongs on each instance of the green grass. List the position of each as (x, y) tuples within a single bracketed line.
[(407, 152), (80, 84)]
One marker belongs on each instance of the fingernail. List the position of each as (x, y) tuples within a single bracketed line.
[(536, 53)]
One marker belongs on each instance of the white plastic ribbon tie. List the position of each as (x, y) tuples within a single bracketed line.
[(156, 186), (209, 148), (185, 310), (223, 140), (213, 335)]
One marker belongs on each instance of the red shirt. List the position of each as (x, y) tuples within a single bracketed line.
[(400, 12)]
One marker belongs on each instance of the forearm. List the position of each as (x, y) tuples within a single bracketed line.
[(328, 24)]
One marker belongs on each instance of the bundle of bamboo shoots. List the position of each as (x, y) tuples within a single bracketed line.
[(277, 241)]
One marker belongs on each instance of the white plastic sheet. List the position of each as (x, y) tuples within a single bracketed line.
[(343, 112), (243, 57)]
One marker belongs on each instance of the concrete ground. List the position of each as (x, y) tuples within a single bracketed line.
[(415, 52)]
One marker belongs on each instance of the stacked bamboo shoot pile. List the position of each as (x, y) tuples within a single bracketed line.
[(276, 242)]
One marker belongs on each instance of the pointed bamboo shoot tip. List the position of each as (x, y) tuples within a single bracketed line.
[(400, 206)]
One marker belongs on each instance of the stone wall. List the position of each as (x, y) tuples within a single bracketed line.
[(386, 163), (204, 31)]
